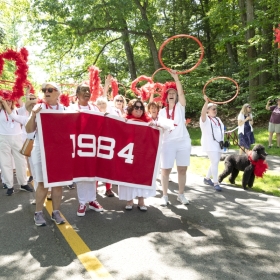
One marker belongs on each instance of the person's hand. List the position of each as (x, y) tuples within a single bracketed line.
[(36, 110), (205, 98), (108, 79), (151, 124), (1, 99), (174, 74), (27, 90)]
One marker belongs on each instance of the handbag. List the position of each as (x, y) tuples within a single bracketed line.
[(27, 147)]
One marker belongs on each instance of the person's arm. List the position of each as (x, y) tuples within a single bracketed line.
[(204, 109), (106, 85), (241, 122), (5, 105), (31, 124), (181, 96), (267, 107)]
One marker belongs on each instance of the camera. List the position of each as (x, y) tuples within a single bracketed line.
[(274, 100), (226, 144), (221, 143)]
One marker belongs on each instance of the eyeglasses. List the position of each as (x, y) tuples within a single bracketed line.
[(139, 107), (119, 100), (50, 90), (249, 107), (214, 109)]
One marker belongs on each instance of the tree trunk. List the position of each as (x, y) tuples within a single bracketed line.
[(149, 34), (251, 51), (129, 54)]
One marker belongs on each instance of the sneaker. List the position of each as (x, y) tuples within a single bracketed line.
[(30, 179), (26, 188), (182, 199), (208, 182), (94, 205), (109, 193), (218, 188), (164, 200), (57, 218), (10, 191), (82, 210), (39, 219), (71, 187), (5, 186)]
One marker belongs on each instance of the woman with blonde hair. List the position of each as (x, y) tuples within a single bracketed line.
[(245, 129)]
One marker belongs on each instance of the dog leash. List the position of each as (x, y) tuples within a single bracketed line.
[(231, 134)]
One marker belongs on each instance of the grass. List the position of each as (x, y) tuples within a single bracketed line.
[(269, 184), (261, 137)]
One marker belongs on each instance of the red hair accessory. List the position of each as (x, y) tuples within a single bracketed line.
[(20, 59), (168, 86), (64, 99), (95, 86), (143, 92)]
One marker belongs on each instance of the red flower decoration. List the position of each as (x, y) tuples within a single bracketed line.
[(167, 86), (20, 59), (64, 99), (95, 86), (143, 92)]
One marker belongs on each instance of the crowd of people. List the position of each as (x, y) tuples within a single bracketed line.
[(17, 124)]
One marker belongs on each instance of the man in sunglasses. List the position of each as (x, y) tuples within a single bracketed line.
[(50, 101)]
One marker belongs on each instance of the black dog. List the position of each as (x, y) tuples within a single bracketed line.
[(236, 163)]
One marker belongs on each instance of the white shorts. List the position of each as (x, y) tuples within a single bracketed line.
[(38, 172), (179, 150)]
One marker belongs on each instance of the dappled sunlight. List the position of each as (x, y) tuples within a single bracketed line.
[(18, 209)]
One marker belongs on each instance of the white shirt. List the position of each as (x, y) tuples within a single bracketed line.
[(8, 126), (241, 117), (76, 107), (180, 131), (207, 142)]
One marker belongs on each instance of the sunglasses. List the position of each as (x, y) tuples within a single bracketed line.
[(119, 100), (214, 109), (50, 90), (139, 107), (249, 107), (32, 98)]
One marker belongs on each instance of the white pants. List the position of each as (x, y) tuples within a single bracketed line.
[(86, 191), (213, 169), (10, 145)]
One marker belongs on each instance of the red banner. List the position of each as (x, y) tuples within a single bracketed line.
[(89, 146)]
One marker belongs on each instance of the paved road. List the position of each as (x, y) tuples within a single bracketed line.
[(229, 235)]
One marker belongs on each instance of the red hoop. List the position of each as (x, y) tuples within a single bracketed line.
[(181, 36), (159, 69), (221, 102)]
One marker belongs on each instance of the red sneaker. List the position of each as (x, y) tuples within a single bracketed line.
[(94, 205), (81, 210)]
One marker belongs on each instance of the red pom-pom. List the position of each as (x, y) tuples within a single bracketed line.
[(94, 83), (143, 92), (64, 99), (115, 87)]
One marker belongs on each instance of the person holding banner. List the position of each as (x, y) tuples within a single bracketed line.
[(86, 190), (50, 101), (212, 138), (135, 112), (176, 143)]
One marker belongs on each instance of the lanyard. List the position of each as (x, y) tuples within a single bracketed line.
[(172, 114), (80, 106), (49, 107), (211, 120), (7, 118)]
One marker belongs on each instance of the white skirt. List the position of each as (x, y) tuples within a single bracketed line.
[(129, 193)]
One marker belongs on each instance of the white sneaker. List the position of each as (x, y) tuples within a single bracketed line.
[(164, 200), (182, 199)]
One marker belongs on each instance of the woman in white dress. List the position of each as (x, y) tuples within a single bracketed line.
[(135, 112)]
